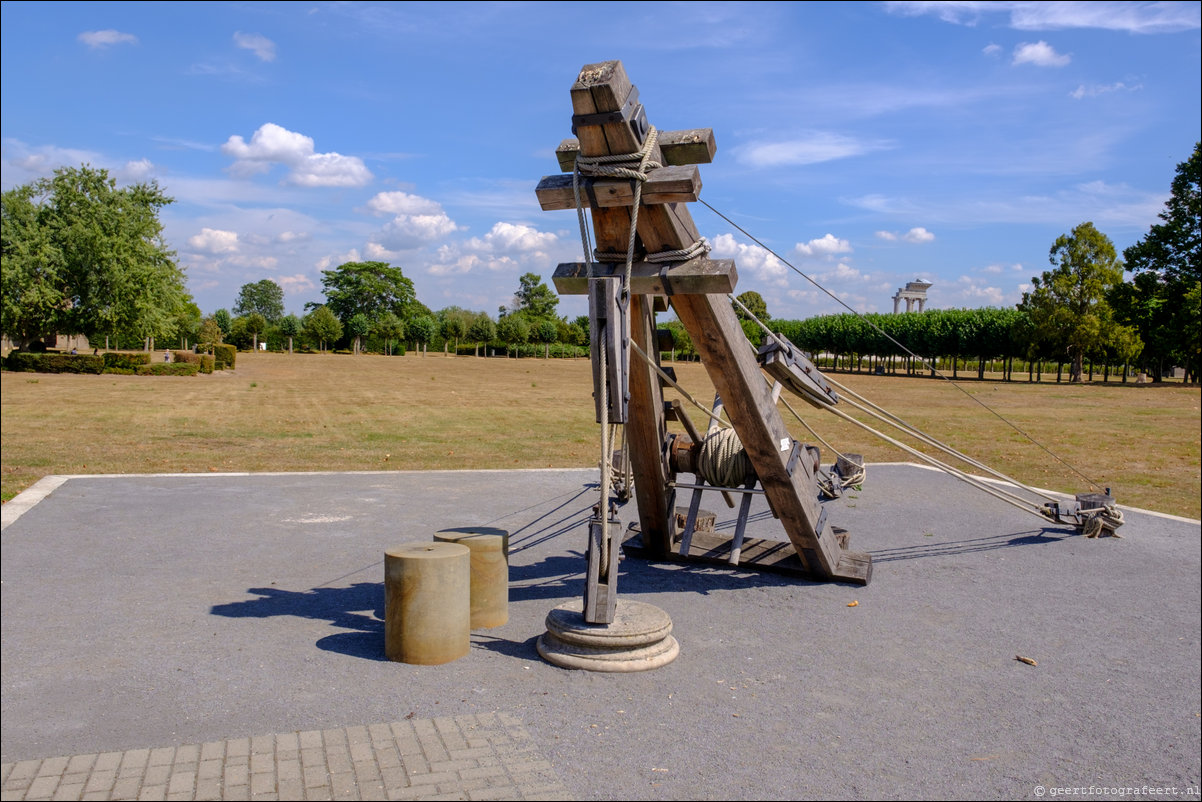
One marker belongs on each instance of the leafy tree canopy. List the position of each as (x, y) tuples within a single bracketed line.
[(83, 256), (368, 288), (1067, 304), (534, 298), (264, 297), (755, 304)]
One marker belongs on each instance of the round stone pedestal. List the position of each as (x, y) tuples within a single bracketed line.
[(427, 603), (639, 639), (490, 572)]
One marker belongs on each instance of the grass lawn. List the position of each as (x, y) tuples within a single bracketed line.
[(278, 412)]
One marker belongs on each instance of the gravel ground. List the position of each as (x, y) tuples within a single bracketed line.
[(155, 610)]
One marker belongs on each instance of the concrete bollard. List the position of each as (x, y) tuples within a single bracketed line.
[(490, 572), (427, 603)]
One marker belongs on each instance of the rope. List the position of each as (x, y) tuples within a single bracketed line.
[(722, 461), (924, 362)]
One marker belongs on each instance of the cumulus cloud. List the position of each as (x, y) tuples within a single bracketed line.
[(1040, 54), (824, 246), (334, 260), (508, 237), (272, 144), (992, 50), (416, 221), (258, 44), (98, 40), (402, 203), (813, 148), (916, 235), (759, 262), (214, 241)]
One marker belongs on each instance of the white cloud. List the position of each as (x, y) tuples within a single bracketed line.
[(1040, 54), (295, 285), (757, 261), (106, 38), (258, 44), (273, 144), (992, 50), (402, 203), (508, 237), (1144, 18), (824, 246), (214, 241), (916, 235), (334, 260), (1094, 90), (814, 148), (140, 170)]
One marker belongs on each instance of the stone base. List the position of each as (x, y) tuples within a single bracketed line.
[(639, 639)]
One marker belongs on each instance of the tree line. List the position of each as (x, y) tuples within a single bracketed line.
[(83, 256)]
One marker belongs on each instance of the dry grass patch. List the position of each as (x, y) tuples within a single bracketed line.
[(312, 412)]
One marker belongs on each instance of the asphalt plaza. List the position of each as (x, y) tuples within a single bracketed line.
[(177, 616)]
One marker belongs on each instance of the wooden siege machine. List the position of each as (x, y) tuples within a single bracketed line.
[(608, 120)]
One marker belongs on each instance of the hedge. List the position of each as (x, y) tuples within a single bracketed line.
[(224, 356), (54, 363), (206, 363), (114, 359), (169, 369)]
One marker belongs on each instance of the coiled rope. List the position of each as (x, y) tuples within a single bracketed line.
[(722, 461)]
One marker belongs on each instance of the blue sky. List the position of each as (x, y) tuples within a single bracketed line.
[(867, 143)]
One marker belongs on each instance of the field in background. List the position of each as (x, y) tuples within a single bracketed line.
[(342, 413)]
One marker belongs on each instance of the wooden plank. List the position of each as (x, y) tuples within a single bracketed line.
[(690, 146), (663, 185), (646, 432), (731, 365), (712, 276)]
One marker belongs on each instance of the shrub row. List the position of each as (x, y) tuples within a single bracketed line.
[(115, 363), (54, 363), (169, 369)]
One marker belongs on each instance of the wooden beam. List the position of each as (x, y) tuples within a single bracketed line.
[(712, 276), (691, 146), (664, 185), (646, 435), (732, 367)]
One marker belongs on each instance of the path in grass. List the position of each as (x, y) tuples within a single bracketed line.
[(337, 413)]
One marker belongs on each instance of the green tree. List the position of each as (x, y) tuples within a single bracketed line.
[(321, 326), (358, 327), (454, 324), (290, 327), (33, 270), (390, 329), (256, 324), (82, 256), (224, 320), (545, 332), (422, 330), (754, 303), (1067, 305), (535, 298), (186, 324), (482, 330), (368, 288), (265, 297), (1167, 264), (210, 333), (514, 331)]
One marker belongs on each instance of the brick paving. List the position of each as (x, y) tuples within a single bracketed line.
[(485, 756)]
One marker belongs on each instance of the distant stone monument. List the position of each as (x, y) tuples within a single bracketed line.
[(915, 290)]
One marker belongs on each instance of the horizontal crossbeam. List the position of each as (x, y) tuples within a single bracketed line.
[(696, 276), (664, 185), (693, 146)]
